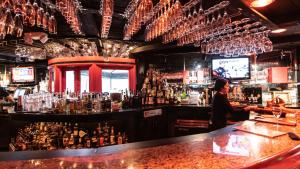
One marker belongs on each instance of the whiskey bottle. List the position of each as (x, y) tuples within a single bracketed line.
[(75, 130), (120, 140), (94, 139), (65, 138), (96, 103), (71, 141), (108, 104), (124, 138), (78, 105), (89, 105), (67, 106), (101, 140), (79, 145), (112, 136), (99, 128), (106, 135), (87, 140), (72, 106)]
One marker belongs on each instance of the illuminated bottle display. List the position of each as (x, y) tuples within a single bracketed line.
[(51, 136)]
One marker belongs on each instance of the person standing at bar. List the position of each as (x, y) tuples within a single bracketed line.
[(4, 95), (221, 107)]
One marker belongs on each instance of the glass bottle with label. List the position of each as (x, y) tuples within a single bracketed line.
[(120, 139), (112, 136)]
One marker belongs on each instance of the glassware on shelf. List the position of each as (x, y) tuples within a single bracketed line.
[(69, 9), (137, 18), (107, 8)]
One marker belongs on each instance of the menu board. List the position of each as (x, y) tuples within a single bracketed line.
[(23, 74)]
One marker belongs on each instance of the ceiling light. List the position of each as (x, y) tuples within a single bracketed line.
[(280, 30), (261, 3)]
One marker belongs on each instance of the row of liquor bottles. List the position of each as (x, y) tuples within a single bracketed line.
[(54, 135), (69, 102), (156, 89), (90, 102)]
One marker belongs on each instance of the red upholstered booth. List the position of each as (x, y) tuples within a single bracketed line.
[(94, 64)]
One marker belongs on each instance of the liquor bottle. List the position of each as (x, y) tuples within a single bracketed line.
[(143, 95), (130, 100), (87, 140), (83, 104), (94, 139), (103, 103), (79, 145), (125, 102), (78, 105), (71, 142), (75, 130), (120, 139), (89, 105), (65, 139), (101, 140), (96, 105), (112, 136), (99, 128), (124, 138), (72, 106), (106, 135), (108, 104), (67, 106)]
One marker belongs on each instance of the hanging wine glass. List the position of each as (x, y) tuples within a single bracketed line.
[(52, 24), (2, 23), (27, 13), (9, 23), (39, 19), (18, 25), (45, 20), (33, 18)]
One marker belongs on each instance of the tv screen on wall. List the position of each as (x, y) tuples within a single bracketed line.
[(23, 74), (231, 68)]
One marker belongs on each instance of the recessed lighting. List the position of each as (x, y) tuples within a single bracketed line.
[(261, 3), (280, 30)]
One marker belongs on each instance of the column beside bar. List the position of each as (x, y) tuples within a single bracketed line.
[(57, 79)]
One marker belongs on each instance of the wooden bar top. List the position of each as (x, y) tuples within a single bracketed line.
[(224, 148)]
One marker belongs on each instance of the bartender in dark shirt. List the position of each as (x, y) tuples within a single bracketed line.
[(5, 95), (221, 107)]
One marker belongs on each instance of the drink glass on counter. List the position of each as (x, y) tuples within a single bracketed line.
[(276, 113)]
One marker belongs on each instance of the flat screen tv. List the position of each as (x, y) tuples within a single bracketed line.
[(23, 74), (231, 68)]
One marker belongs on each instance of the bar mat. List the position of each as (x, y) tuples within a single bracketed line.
[(281, 121), (259, 130)]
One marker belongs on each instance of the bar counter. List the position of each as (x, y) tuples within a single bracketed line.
[(224, 148), (33, 116)]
